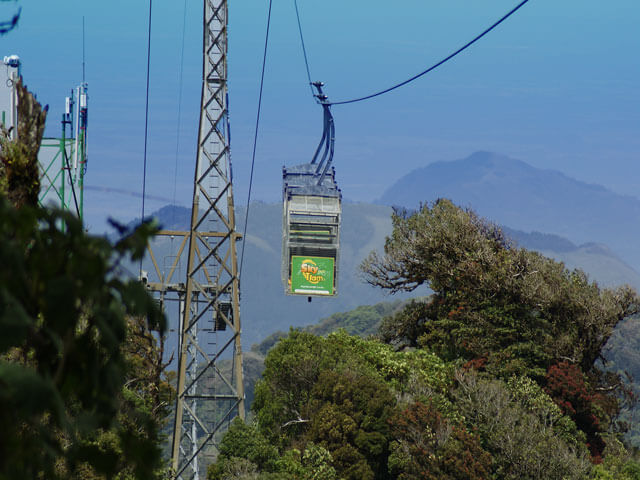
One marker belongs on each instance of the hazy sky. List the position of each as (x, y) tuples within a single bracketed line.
[(556, 85)]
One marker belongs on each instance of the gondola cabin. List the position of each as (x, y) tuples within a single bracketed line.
[(312, 209)]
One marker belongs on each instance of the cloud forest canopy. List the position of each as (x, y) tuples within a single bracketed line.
[(503, 309), (516, 309), (492, 377)]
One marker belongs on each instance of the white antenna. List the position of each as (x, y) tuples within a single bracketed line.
[(83, 80)]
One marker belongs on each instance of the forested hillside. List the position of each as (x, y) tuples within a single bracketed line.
[(363, 321), (265, 309), (496, 375)]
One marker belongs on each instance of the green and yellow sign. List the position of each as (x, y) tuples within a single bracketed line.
[(312, 275)]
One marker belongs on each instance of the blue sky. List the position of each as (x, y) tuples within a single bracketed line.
[(556, 86)]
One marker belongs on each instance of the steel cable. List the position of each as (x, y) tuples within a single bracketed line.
[(433, 67), (255, 139), (304, 49), (146, 122)]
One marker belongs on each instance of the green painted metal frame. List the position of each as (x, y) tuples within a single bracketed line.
[(57, 175)]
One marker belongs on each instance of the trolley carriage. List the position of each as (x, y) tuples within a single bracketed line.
[(311, 233), (312, 208)]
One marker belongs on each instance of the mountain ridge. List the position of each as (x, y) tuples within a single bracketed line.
[(265, 308), (511, 192)]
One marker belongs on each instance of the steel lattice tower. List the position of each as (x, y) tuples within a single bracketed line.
[(63, 161), (208, 396)]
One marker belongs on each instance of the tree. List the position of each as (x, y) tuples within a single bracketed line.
[(19, 173), (324, 391), (429, 446), (522, 429), (379, 413), (350, 420), (63, 365), (518, 311), (504, 309), (246, 453), (82, 387)]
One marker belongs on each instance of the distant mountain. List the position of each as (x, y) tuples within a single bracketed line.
[(511, 192), (596, 259), (266, 309)]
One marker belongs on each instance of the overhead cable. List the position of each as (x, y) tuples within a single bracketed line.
[(255, 139), (146, 123), (304, 50), (178, 123), (7, 26), (146, 115), (433, 67)]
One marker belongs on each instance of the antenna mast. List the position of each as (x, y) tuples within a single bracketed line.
[(83, 49)]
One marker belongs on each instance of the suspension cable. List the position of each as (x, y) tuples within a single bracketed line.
[(433, 67), (255, 139), (180, 81), (146, 116), (304, 50), (146, 124)]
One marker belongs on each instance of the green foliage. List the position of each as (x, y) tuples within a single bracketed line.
[(629, 470), (397, 367), (428, 446), (618, 464), (362, 321), (518, 310), (19, 171), (339, 392), (233, 468), (246, 453), (63, 365), (295, 364), (291, 369), (348, 415), (520, 435), (533, 399), (321, 391), (317, 461), (493, 376), (246, 442)]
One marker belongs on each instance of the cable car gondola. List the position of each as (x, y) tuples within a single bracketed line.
[(311, 214)]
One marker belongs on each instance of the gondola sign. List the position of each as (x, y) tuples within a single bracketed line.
[(312, 275)]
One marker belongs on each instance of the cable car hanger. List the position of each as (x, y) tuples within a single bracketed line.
[(328, 135)]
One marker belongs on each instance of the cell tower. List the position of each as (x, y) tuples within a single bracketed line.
[(208, 395), (63, 161)]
